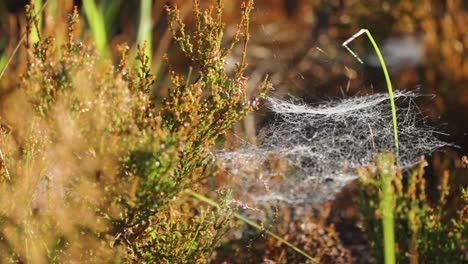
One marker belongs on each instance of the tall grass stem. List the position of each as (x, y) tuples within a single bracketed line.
[(390, 93), (386, 204), (145, 27), (387, 80), (34, 35), (97, 25)]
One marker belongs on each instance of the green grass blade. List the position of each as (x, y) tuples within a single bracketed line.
[(386, 206), (34, 35), (3, 59), (97, 25), (387, 79), (253, 224), (145, 27), (390, 93)]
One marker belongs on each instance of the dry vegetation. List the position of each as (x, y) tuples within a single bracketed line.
[(91, 163), (99, 148)]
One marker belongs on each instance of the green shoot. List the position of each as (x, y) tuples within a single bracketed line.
[(386, 204), (3, 59), (387, 79), (97, 25), (145, 27), (35, 32)]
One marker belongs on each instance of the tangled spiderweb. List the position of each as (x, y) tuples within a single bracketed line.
[(310, 152)]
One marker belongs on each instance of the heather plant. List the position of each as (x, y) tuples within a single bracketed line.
[(388, 202), (425, 231), (93, 168), (322, 145)]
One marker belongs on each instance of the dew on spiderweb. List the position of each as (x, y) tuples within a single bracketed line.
[(322, 146)]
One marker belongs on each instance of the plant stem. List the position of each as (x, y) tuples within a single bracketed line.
[(34, 36), (96, 23), (385, 164), (251, 223), (387, 79), (390, 94), (15, 50), (145, 27), (386, 204)]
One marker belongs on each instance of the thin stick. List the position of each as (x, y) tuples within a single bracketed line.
[(251, 223), (23, 37)]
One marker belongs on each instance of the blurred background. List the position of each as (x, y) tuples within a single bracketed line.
[(298, 43)]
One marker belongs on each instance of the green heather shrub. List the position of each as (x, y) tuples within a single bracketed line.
[(425, 231), (93, 168)]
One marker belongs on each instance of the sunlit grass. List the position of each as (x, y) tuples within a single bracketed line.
[(100, 20), (97, 25), (145, 27), (35, 33)]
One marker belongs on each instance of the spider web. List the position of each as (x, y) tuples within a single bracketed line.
[(310, 152)]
